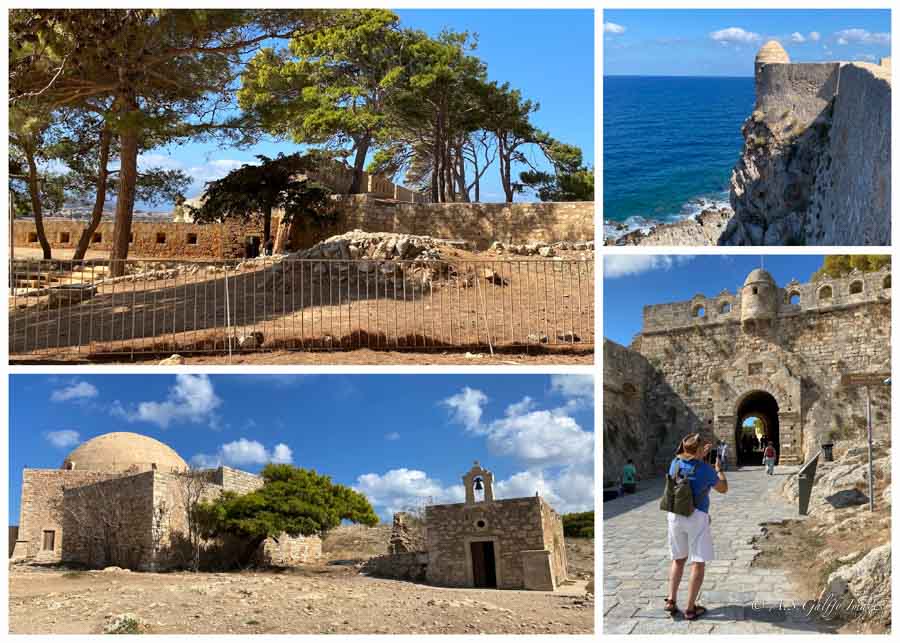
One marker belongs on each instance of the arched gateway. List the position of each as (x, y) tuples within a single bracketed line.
[(756, 425)]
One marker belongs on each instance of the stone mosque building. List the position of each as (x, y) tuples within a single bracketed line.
[(119, 499), (768, 352)]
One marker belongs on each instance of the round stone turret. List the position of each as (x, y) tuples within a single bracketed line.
[(759, 298), (771, 52)]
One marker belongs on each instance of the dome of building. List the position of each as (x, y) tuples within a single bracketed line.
[(759, 275), (123, 451), (772, 52)]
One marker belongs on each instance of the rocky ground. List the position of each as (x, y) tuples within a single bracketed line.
[(329, 597), (842, 552), (702, 230)]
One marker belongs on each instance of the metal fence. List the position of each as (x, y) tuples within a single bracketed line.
[(162, 306)]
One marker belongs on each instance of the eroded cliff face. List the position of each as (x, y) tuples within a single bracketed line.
[(815, 168)]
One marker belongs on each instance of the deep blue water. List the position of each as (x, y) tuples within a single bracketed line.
[(669, 141)]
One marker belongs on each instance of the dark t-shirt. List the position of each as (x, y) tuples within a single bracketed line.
[(702, 478)]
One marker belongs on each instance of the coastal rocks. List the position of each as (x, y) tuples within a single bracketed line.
[(703, 229)]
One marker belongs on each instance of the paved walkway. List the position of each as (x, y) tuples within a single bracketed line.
[(740, 599)]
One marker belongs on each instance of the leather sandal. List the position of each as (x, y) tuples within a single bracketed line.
[(671, 607), (695, 613)]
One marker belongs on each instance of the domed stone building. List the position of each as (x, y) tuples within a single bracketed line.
[(120, 499)]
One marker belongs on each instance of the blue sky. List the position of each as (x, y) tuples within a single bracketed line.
[(631, 282), (547, 54), (399, 439), (691, 42)]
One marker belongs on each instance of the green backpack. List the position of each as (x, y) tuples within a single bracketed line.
[(677, 497)]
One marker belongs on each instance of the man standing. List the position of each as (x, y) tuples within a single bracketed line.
[(722, 452), (690, 537), (629, 477)]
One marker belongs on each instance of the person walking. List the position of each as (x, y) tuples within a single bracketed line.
[(769, 456), (629, 477), (723, 454), (690, 537)]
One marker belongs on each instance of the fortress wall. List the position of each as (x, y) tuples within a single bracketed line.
[(163, 240), (815, 168), (852, 202), (875, 286), (801, 91), (478, 223), (630, 429), (704, 367)]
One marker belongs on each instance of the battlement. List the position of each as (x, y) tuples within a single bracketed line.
[(795, 298)]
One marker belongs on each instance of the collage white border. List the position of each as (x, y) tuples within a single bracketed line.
[(596, 370)]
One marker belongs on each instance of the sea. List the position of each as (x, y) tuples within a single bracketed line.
[(669, 144)]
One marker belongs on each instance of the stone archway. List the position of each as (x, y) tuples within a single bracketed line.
[(762, 405)]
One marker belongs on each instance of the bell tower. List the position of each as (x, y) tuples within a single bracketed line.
[(476, 479)]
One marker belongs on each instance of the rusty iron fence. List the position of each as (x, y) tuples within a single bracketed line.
[(164, 306)]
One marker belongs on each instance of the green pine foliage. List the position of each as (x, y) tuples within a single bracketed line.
[(578, 525)]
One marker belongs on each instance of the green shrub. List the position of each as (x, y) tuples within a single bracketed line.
[(578, 525)]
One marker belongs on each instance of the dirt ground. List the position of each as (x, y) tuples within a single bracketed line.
[(314, 599), (361, 356)]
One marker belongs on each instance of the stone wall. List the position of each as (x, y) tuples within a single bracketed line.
[(707, 367), (515, 526), (42, 509), (816, 163), (478, 223), (411, 566), (162, 240), (111, 522)]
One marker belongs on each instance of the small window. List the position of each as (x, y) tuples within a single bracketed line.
[(64, 237), (481, 524), (97, 238), (795, 298), (755, 290), (160, 237), (725, 308), (825, 292), (192, 238), (49, 543), (699, 311), (856, 287), (32, 237), (131, 237), (886, 284)]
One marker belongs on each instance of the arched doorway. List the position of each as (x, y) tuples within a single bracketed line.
[(757, 425)]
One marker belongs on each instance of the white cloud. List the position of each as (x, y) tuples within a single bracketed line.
[(861, 36), (534, 437), (573, 386), (63, 439), (191, 400), (814, 36), (735, 35), (612, 27), (393, 435), (244, 453), (466, 406), (797, 37), (403, 489), (570, 489), (76, 390), (615, 266)]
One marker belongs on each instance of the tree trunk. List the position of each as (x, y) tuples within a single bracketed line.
[(125, 199), (34, 191), (359, 166), (267, 225), (99, 200), (250, 551)]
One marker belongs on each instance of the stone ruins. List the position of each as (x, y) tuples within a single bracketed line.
[(514, 543), (120, 500), (776, 353)]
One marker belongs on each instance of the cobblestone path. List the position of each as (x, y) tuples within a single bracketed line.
[(741, 599)]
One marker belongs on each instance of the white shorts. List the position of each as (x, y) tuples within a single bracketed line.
[(691, 537)]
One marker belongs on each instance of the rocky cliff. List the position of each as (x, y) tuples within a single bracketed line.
[(816, 163)]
